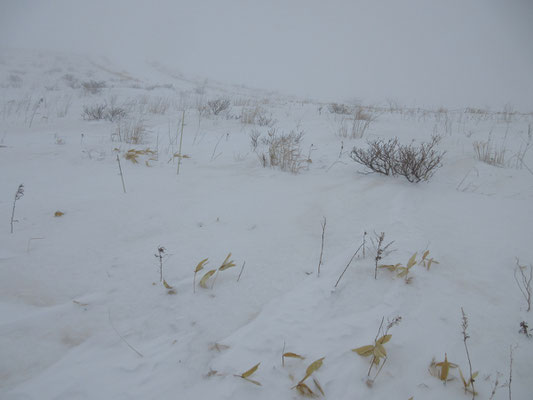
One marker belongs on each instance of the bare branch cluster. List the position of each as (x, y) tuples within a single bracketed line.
[(415, 163)]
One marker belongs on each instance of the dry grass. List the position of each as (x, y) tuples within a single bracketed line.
[(282, 151)]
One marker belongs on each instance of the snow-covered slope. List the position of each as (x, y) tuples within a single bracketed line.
[(84, 316)]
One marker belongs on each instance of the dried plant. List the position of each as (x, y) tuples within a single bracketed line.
[(380, 248), (524, 330), (226, 264), (198, 268), (377, 350), (488, 153), (280, 150), (160, 255), (323, 225), (442, 369), (18, 195), (523, 280), (246, 375), (303, 388), (467, 385)]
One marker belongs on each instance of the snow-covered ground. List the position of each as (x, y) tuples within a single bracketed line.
[(83, 312)]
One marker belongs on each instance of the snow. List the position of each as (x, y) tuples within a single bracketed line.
[(84, 316)]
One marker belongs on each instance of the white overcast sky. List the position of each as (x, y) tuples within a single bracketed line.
[(419, 52)]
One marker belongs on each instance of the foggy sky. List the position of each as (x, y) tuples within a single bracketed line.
[(419, 52)]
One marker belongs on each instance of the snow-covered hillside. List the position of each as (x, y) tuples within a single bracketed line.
[(85, 316)]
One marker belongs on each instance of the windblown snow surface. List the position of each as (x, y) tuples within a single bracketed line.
[(85, 316)]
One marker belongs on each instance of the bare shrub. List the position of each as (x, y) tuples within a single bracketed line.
[(415, 163), (279, 150), (93, 87), (133, 132), (218, 105), (103, 111), (335, 108), (94, 112)]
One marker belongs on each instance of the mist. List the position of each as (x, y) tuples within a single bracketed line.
[(439, 53)]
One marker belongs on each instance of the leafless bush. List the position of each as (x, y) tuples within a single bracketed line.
[(335, 108), (93, 87), (218, 105), (415, 163), (133, 132), (279, 150), (103, 111)]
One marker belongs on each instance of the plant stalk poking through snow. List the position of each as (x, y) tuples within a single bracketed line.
[(121, 175), (377, 350), (471, 380), (160, 254), (18, 196), (524, 284), (181, 141), (323, 224), (380, 249)]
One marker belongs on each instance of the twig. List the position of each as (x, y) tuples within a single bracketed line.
[(323, 224), (181, 140), (510, 370), (120, 336), (347, 265), (242, 269), (375, 340), (282, 353), (525, 284), (379, 252), (464, 325), (121, 176), (18, 195), (215, 149), (160, 254)]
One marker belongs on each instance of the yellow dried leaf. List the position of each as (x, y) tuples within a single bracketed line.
[(304, 390), (200, 265), (59, 214), (226, 264), (390, 267), (412, 261), (379, 351), (364, 351), (293, 355), (426, 253), (317, 384), (166, 285), (315, 365), (384, 339), (252, 381), (250, 371), (445, 368), (208, 274)]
